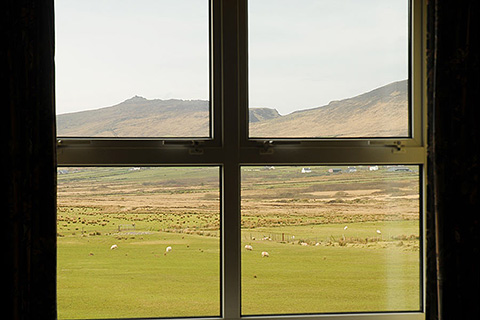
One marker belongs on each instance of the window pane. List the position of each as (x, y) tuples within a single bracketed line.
[(331, 69), (330, 239), (132, 242), (132, 68)]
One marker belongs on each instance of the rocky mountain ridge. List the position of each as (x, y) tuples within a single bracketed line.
[(382, 112)]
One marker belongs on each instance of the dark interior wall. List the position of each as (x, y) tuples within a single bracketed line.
[(28, 158), (29, 174), (454, 132)]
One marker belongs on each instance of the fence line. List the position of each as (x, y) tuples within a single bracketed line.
[(277, 237)]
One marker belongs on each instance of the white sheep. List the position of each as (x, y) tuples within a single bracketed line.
[(379, 232), (265, 254), (304, 244), (168, 249), (113, 247), (248, 247)]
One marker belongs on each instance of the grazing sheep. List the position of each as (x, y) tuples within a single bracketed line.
[(345, 228), (168, 249), (379, 232), (265, 254), (248, 247), (113, 247), (304, 244)]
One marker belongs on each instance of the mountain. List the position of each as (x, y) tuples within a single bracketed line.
[(139, 117), (262, 114), (382, 112)]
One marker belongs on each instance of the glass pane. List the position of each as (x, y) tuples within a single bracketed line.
[(330, 239), (328, 69), (132, 242), (132, 68)]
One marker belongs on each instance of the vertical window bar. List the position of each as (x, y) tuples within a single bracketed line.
[(231, 169)]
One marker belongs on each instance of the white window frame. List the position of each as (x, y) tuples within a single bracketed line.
[(230, 148)]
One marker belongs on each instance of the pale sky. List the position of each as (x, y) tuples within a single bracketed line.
[(302, 53)]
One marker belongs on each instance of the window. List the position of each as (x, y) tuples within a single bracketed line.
[(131, 241), (344, 73), (332, 221), (115, 74), (330, 239)]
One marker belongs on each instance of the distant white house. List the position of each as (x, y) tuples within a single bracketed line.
[(134, 169), (373, 168), (306, 170)]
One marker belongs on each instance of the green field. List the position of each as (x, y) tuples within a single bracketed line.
[(137, 279), (320, 230)]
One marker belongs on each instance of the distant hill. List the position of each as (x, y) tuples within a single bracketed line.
[(381, 112), (139, 117), (262, 114)]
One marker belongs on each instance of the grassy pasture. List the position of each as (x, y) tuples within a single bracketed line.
[(331, 276), (328, 279), (144, 210), (138, 279)]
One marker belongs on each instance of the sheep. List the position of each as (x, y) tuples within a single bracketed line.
[(379, 232), (265, 254), (113, 247), (248, 247), (304, 244), (168, 249)]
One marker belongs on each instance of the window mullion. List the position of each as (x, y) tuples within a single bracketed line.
[(231, 283)]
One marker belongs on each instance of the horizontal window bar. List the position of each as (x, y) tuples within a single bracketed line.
[(198, 154), (371, 316), (332, 155)]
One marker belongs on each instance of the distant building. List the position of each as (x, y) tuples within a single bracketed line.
[(399, 169), (373, 168), (334, 170), (306, 170)]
